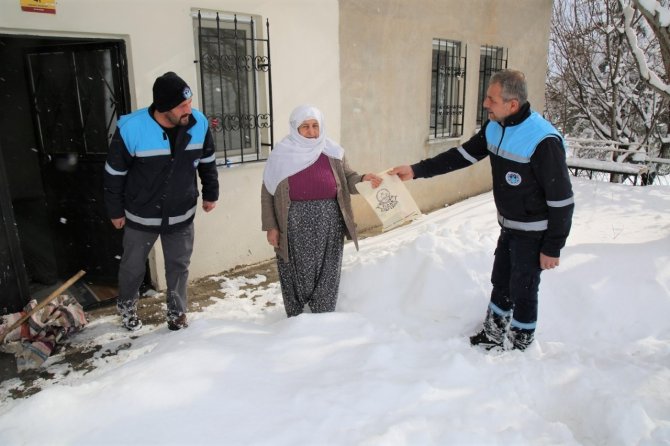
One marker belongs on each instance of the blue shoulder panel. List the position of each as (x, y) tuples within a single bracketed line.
[(142, 135), (520, 141), (199, 130)]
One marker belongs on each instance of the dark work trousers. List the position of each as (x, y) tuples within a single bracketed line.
[(516, 279), (177, 249)]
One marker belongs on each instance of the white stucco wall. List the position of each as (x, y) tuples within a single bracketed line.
[(365, 63), (159, 37)]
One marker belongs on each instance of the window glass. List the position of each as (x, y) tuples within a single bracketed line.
[(235, 89), (491, 59), (447, 100)]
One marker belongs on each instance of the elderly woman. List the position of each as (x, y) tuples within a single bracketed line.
[(306, 211)]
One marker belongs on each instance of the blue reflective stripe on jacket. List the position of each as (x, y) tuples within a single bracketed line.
[(152, 184), (520, 141), (144, 137), (530, 178)]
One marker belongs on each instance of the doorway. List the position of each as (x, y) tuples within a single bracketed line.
[(61, 100)]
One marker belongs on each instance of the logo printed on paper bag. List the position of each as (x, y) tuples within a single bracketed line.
[(386, 201)]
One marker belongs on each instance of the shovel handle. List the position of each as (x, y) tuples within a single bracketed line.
[(42, 304)]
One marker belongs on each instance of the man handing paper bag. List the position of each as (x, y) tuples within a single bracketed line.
[(391, 201)]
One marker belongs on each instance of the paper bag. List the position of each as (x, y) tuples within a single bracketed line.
[(391, 201)]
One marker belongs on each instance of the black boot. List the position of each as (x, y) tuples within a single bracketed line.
[(493, 332), (177, 322), (520, 338), (481, 339), (129, 318)]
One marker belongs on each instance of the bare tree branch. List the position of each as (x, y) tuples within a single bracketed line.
[(594, 86), (658, 20)]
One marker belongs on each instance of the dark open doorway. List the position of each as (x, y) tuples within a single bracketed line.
[(61, 99)]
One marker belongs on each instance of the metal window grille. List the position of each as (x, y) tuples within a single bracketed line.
[(491, 59), (235, 85), (447, 103)]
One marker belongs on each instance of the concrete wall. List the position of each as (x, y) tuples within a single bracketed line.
[(365, 63), (385, 54)]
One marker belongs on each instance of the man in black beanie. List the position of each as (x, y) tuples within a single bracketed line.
[(151, 191)]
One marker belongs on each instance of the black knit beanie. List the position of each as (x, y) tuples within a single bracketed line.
[(169, 91)]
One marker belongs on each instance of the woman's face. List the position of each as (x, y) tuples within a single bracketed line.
[(309, 128)]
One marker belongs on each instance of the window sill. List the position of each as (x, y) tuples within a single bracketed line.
[(443, 140), (234, 161), (235, 158)]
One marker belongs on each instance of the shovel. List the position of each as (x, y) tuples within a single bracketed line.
[(42, 304)]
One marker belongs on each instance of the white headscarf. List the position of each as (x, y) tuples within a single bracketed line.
[(295, 153)]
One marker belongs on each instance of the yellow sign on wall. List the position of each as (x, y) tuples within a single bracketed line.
[(44, 6)]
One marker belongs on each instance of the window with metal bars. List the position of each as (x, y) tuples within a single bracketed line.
[(447, 101), (491, 59), (235, 84)]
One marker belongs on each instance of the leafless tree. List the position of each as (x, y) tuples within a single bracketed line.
[(594, 87), (645, 20), (601, 85)]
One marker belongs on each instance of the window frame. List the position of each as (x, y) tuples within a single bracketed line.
[(447, 88), (241, 124), (486, 70)]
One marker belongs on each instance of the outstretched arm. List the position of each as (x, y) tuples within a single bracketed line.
[(456, 158), (404, 172), (372, 178)]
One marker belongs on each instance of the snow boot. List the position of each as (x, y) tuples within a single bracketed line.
[(496, 325), (129, 318), (519, 338), (493, 333), (131, 321), (481, 339), (177, 322)]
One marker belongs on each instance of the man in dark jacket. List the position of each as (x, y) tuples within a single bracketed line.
[(533, 196), (151, 190)]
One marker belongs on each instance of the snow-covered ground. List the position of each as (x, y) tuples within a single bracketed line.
[(393, 365)]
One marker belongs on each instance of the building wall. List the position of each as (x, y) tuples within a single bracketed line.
[(365, 63), (385, 53), (159, 36)]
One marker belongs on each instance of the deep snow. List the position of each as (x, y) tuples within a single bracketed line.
[(393, 365)]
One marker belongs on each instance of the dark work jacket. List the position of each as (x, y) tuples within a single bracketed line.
[(531, 183), (153, 185)]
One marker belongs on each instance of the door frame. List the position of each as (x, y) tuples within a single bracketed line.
[(14, 245), (7, 220)]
